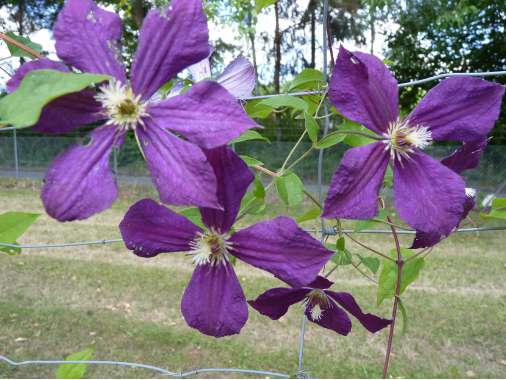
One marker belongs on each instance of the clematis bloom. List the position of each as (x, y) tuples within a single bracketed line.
[(214, 302), (429, 196), (321, 306), (171, 133)]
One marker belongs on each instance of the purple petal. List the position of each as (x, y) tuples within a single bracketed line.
[(275, 302), (87, 37), (149, 228), (79, 183), (66, 113), (280, 247), (206, 115), (169, 42), (461, 109), (428, 196), (332, 318), (179, 169), (201, 70), (364, 90), (371, 322), (233, 177), (214, 302), (239, 78), (466, 157), (321, 283), (354, 189)]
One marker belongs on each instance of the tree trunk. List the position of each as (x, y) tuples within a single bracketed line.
[(277, 51), (313, 38), (251, 37), (138, 12), (20, 19), (372, 21)]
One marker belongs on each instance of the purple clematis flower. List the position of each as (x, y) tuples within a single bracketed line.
[(429, 196), (79, 182), (321, 306), (214, 302)]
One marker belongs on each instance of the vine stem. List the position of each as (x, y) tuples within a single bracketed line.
[(400, 264), (20, 45), (369, 248)]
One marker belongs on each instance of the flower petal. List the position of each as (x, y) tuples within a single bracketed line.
[(275, 302), (239, 78), (428, 196), (214, 302), (179, 169), (280, 247), (364, 90), (63, 114), (201, 70), (149, 228), (233, 177), (460, 109), (87, 37), (79, 183), (321, 283), (371, 322), (466, 157), (333, 318), (169, 42), (354, 189), (206, 115)]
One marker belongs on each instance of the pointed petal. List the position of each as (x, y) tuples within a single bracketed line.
[(206, 115), (466, 157), (233, 177), (170, 41), (214, 302), (239, 78), (149, 228), (79, 183), (179, 169), (87, 37), (364, 90), (275, 302), (354, 189), (333, 318), (66, 113), (459, 109), (371, 322), (428, 196), (280, 247)]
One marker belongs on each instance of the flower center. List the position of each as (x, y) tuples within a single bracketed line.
[(316, 302), (402, 139), (210, 248), (121, 106)]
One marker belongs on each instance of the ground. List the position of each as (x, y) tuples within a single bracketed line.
[(58, 301)]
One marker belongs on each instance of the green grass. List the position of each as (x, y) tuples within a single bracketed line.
[(56, 302)]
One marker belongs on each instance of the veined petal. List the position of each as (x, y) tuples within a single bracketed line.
[(206, 115), (170, 41), (280, 247), (149, 228), (275, 302), (466, 157), (239, 78), (371, 322), (354, 189), (364, 90), (332, 318), (428, 196), (214, 302), (201, 70), (66, 113), (87, 37), (179, 169), (233, 178), (460, 109), (79, 183)]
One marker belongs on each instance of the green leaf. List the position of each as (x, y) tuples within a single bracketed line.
[(290, 188), (12, 226), (312, 127), (285, 101), (372, 263), (387, 281), (256, 110), (261, 4), (74, 371), (342, 257), (307, 79), (193, 214), (362, 225), (17, 52), (351, 139), (254, 201), (330, 140), (404, 315), (310, 215), (250, 161), (341, 244), (248, 136), (495, 214), (499, 203), (38, 88)]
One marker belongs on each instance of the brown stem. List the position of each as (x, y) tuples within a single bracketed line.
[(400, 264), (369, 248), (20, 45)]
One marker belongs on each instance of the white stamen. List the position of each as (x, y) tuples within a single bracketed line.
[(316, 312), (210, 248), (318, 301), (402, 139)]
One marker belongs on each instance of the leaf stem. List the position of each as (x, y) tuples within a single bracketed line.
[(20, 45), (369, 248)]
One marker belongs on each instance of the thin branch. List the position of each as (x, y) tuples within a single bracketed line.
[(369, 248), (20, 45)]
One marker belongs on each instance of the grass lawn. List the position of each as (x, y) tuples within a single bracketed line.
[(59, 301)]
